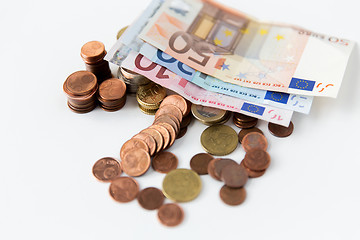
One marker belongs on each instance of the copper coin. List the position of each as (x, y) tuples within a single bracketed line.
[(219, 165), (171, 131), (81, 110), (243, 118), (200, 162), (252, 174), (93, 51), (80, 83), (254, 140), (281, 131), (164, 133), (106, 169), (170, 120), (189, 104), (243, 132), (170, 214), (112, 89), (234, 175), (232, 196), (131, 144), (157, 136), (164, 162), (136, 162), (245, 125), (151, 198), (149, 140), (186, 121), (211, 168), (176, 100), (170, 109), (124, 189), (182, 132), (257, 159)]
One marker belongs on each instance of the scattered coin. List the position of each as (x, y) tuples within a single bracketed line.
[(157, 136), (106, 169), (136, 162), (170, 214), (281, 131), (257, 159), (234, 176), (131, 144), (176, 100), (254, 140), (200, 162), (219, 140), (181, 185), (232, 196), (251, 173), (151, 198), (219, 165), (211, 168), (149, 140), (243, 132), (124, 189), (164, 162)]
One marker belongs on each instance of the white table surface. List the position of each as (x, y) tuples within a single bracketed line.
[(310, 191)]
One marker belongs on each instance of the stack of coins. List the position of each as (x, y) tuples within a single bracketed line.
[(210, 116), (80, 88), (112, 94), (149, 97), (93, 54), (132, 80), (243, 121), (219, 140)]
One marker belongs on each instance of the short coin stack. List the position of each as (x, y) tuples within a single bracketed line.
[(132, 80), (80, 88), (209, 116), (112, 94), (243, 121), (149, 97), (219, 140)]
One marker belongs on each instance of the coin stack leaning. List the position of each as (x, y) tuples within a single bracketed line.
[(93, 54), (112, 94), (210, 116), (80, 88), (243, 121), (132, 80), (149, 97)]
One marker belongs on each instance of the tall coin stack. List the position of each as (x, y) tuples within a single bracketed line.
[(80, 88), (149, 97), (132, 80), (93, 54), (112, 94), (210, 116)]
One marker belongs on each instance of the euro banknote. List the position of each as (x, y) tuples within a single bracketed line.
[(236, 48), (197, 95)]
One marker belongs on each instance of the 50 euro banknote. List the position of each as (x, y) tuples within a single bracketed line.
[(129, 40), (233, 47), (197, 95)]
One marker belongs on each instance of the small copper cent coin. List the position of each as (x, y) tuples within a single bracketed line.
[(124, 189), (200, 162), (151, 198), (243, 132), (131, 144), (234, 176), (136, 162), (149, 140), (211, 168), (257, 159), (170, 214), (170, 109), (157, 137), (112, 89), (254, 140), (80, 83), (176, 100), (281, 131), (164, 162), (251, 173), (171, 131), (219, 165), (182, 133), (106, 169), (164, 133), (232, 196)]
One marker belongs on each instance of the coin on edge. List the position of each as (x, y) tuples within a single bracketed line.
[(219, 140), (181, 185)]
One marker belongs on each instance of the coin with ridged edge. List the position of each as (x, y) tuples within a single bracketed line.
[(219, 140)]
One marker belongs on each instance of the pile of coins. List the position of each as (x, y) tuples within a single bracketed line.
[(132, 80), (149, 97), (210, 116), (243, 121), (112, 94), (93, 54), (80, 88)]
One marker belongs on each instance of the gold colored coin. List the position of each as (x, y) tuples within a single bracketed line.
[(219, 140), (150, 95), (181, 185), (208, 115), (121, 32)]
